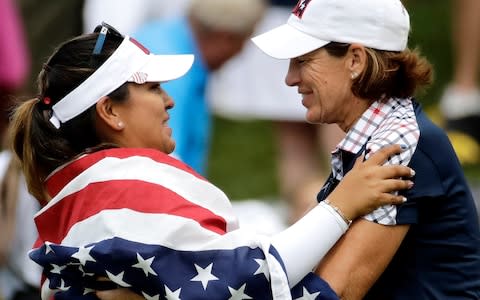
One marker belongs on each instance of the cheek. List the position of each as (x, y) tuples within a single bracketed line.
[(333, 86), (327, 97), (315, 77)]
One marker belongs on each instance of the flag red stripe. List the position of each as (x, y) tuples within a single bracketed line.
[(63, 176), (141, 196)]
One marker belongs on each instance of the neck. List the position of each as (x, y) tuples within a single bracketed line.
[(354, 112)]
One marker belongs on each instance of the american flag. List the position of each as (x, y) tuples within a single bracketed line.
[(148, 222)]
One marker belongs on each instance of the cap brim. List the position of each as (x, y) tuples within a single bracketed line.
[(162, 68), (286, 42)]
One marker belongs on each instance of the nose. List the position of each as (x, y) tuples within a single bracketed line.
[(292, 78), (169, 103)]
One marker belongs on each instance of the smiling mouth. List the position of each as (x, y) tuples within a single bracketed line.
[(305, 95)]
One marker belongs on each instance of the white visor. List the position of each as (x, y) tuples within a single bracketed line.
[(129, 63)]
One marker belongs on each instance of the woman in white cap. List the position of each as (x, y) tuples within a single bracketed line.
[(119, 212), (351, 65)]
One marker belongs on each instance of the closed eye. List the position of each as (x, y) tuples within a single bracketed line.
[(156, 87), (300, 61)]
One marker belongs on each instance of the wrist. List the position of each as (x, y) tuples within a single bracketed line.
[(339, 212)]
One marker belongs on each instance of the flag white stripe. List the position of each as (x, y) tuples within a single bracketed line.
[(156, 229)]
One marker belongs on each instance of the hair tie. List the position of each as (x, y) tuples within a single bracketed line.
[(47, 101)]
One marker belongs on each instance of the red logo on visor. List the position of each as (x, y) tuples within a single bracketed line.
[(137, 43), (300, 8)]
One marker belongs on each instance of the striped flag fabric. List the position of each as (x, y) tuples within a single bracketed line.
[(146, 221)]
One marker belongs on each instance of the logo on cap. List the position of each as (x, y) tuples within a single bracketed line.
[(300, 8), (139, 77)]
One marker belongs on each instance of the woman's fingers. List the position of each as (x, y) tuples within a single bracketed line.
[(379, 157), (391, 185), (386, 199), (395, 171)]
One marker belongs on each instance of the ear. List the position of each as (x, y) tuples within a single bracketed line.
[(357, 59), (108, 113)]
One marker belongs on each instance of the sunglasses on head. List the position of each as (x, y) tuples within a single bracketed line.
[(104, 29)]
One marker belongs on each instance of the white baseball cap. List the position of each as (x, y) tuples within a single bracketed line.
[(377, 24), (131, 62)]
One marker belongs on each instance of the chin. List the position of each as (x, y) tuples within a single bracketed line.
[(166, 148), (312, 118), (169, 148)]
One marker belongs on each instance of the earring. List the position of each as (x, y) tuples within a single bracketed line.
[(354, 75), (120, 125)]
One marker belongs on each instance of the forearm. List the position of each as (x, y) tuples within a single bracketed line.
[(306, 242)]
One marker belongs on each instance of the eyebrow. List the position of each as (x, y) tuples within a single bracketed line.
[(303, 57)]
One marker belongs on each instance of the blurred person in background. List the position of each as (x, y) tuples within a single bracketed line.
[(129, 15), (19, 276), (250, 86), (460, 103), (14, 56), (215, 31), (352, 67)]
